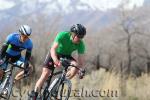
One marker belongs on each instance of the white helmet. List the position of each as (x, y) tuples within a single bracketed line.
[(25, 30)]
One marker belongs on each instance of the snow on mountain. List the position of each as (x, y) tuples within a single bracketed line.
[(68, 6), (100, 12), (11, 8)]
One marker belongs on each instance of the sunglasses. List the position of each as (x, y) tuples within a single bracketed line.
[(24, 36), (80, 36)]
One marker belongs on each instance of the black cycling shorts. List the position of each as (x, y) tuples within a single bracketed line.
[(48, 63), (13, 58)]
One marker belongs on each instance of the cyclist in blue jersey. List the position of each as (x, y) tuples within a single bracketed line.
[(15, 43)]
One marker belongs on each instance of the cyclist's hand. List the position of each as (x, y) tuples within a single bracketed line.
[(81, 73), (57, 63), (22, 65), (26, 72)]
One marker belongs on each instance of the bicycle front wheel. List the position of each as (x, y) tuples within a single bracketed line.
[(6, 88), (9, 87), (62, 91)]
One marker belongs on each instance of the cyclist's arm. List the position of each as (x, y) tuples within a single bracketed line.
[(27, 56), (81, 54), (3, 50), (81, 60), (53, 52), (5, 46), (55, 45), (28, 53)]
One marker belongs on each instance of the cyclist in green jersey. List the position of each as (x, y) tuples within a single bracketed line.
[(63, 46)]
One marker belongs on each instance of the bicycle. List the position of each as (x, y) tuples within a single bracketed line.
[(7, 79), (56, 89)]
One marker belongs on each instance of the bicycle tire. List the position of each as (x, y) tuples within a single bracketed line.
[(7, 86), (46, 93), (10, 86), (59, 90)]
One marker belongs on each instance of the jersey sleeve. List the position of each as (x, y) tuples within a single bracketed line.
[(29, 51), (30, 46), (9, 38), (59, 37), (81, 48)]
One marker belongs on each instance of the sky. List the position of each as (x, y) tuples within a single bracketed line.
[(102, 5)]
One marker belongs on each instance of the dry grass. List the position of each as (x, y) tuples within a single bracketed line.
[(135, 88), (104, 86)]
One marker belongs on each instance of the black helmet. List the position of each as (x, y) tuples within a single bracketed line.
[(79, 30)]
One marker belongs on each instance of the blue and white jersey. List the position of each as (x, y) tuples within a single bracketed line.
[(16, 46)]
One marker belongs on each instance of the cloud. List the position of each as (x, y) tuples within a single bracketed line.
[(110, 4), (134, 3), (102, 5), (6, 4)]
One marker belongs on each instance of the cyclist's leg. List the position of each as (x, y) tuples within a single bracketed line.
[(1, 74), (47, 67), (42, 79), (4, 66), (20, 73), (45, 73)]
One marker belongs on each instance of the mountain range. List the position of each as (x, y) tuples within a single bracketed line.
[(93, 13)]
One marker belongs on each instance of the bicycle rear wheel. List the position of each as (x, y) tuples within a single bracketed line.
[(61, 91)]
